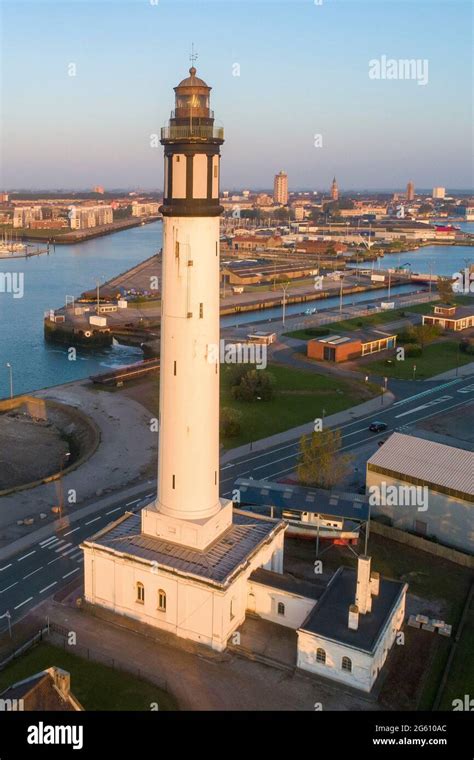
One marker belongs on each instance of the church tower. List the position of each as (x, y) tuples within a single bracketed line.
[(334, 190), (188, 509)]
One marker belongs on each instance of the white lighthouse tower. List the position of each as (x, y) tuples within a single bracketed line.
[(188, 508), (183, 565)]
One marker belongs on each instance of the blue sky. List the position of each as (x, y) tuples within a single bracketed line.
[(303, 71)]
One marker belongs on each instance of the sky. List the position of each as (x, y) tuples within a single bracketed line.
[(290, 81)]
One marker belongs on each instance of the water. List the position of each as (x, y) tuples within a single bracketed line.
[(70, 270)]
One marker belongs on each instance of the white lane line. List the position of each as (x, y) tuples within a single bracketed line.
[(424, 406), (46, 588), (30, 574), (94, 520), (81, 559), (5, 568), (59, 543), (115, 510), (75, 556), (61, 548), (56, 542), (132, 502), (26, 555), (52, 561), (76, 570), (22, 603), (47, 541), (64, 554), (8, 587), (72, 531), (149, 495)]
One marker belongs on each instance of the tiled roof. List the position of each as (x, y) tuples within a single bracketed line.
[(223, 557), (434, 463)]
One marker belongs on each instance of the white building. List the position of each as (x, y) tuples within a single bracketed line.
[(84, 217), (24, 215), (439, 193), (145, 209), (280, 188), (447, 472)]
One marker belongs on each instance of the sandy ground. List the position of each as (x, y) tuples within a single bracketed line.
[(127, 452), (20, 434)]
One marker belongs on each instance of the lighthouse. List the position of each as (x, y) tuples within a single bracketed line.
[(188, 459), (184, 563)]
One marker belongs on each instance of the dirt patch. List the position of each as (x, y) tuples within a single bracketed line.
[(456, 424)]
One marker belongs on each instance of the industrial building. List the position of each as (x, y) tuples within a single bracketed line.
[(341, 348), (448, 474)]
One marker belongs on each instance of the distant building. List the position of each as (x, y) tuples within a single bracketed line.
[(341, 348), (450, 317), (263, 199), (85, 217), (317, 247), (438, 193), (4, 197), (145, 209), (299, 213), (98, 189), (48, 690), (446, 471), (23, 216), (410, 191), (334, 190), (280, 188), (254, 242)]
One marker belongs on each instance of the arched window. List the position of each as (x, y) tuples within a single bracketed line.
[(140, 593), (281, 608), (162, 600), (347, 664), (321, 656)]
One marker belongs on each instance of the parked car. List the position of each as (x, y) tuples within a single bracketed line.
[(378, 427)]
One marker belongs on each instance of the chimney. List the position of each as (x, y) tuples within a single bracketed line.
[(374, 583), (363, 598), (353, 617), (62, 680)]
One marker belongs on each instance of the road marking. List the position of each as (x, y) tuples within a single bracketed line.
[(114, 510), (61, 548), (30, 574), (72, 531), (52, 561), (64, 554), (76, 570), (22, 603), (435, 402), (131, 502), (466, 389), (75, 556), (26, 555), (94, 520), (47, 541), (6, 589), (48, 587), (56, 542), (80, 560), (5, 568)]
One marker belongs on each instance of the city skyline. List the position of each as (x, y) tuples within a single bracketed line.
[(373, 135)]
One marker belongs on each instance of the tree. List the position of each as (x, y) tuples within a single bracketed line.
[(320, 464), (445, 289), (255, 385), (424, 334), (230, 422)]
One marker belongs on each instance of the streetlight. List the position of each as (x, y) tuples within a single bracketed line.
[(284, 288), (10, 368), (64, 459)]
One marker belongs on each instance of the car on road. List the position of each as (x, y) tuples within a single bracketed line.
[(377, 427)]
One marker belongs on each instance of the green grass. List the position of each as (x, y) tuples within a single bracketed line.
[(380, 318), (300, 396), (96, 686), (461, 676), (436, 358)]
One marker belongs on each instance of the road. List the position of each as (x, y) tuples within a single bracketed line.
[(29, 577)]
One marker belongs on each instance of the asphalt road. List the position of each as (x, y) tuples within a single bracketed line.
[(29, 577)]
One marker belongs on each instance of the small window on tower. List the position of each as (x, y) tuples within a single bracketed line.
[(174, 368), (174, 481), (140, 593), (162, 600), (176, 249), (178, 158), (215, 171), (201, 310)]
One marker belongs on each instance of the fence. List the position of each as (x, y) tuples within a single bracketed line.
[(24, 647), (60, 635)]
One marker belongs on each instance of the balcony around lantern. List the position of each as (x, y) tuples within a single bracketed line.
[(192, 132)]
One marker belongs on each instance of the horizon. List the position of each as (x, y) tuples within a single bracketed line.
[(95, 126)]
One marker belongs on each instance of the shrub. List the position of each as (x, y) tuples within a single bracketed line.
[(414, 349), (406, 336), (230, 422), (467, 346), (254, 385), (316, 332)]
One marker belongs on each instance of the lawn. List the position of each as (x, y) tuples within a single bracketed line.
[(300, 396), (96, 686), (372, 320), (461, 676), (436, 358)]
